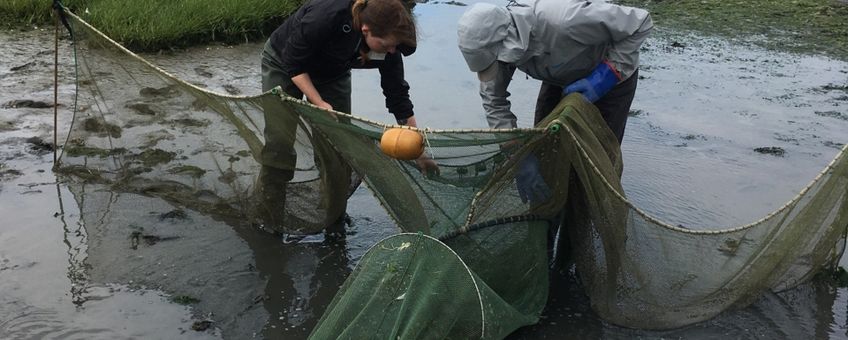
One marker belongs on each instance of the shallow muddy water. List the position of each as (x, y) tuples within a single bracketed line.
[(721, 134)]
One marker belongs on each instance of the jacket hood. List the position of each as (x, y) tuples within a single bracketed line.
[(487, 32)]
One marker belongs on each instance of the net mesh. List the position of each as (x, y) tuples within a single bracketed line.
[(471, 261)]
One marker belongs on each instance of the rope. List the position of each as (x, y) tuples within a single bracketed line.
[(491, 223), (427, 140)]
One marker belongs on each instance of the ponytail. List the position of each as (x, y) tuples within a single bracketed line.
[(357, 8)]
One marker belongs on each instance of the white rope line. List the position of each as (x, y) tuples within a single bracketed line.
[(583, 152), (286, 97), (427, 141)]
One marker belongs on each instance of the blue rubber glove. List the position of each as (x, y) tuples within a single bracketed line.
[(602, 79), (531, 185)]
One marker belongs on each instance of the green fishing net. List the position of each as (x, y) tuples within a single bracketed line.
[(471, 258)]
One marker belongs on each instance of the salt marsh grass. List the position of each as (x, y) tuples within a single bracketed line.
[(163, 24)]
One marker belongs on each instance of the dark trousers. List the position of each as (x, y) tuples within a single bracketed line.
[(278, 156), (614, 106), (281, 130)]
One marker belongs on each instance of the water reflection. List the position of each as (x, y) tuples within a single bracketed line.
[(808, 311), (75, 240), (302, 280), (245, 281)]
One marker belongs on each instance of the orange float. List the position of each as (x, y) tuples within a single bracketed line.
[(403, 144)]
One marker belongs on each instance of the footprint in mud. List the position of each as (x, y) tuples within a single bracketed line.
[(832, 144), (786, 138), (6, 264), (101, 128), (232, 89), (7, 174), (202, 325), (38, 146), (176, 214), (151, 157), (153, 138), (137, 237), (142, 109), (833, 87), (191, 122), (158, 92), (228, 176), (26, 103), (694, 137), (203, 71), (832, 114), (199, 105), (637, 113), (771, 150)]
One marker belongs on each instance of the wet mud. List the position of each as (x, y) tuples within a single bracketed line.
[(721, 133)]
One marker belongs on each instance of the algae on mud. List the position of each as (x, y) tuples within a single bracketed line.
[(806, 26)]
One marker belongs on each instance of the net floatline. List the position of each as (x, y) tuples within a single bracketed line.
[(140, 129)]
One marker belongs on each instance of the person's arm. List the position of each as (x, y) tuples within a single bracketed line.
[(304, 83), (395, 88), (495, 96), (311, 31), (624, 28), (426, 164)]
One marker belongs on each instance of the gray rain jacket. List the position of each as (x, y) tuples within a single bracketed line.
[(555, 41)]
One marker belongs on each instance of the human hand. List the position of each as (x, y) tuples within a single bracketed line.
[(531, 186), (324, 105), (427, 166), (602, 79)]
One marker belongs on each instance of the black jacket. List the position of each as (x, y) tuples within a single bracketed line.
[(319, 39)]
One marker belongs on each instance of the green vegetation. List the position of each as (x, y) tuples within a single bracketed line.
[(190, 170), (162, 24), (841, 277), (152, 157), (817, 26), (31, 12), (184, 300), (86, 151), (810, 26), (837, 277)]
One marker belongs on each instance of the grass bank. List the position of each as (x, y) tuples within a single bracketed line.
[(162, 24), (809, 26)]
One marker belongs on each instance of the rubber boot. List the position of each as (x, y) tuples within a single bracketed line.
[(336, 230), (271, 194)]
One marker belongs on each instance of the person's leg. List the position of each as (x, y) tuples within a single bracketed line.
[(278, 156), (337, 92), (615, 105), (280, 129), (549, 97)]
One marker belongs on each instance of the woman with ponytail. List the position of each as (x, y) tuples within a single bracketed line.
[(311, 54)]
